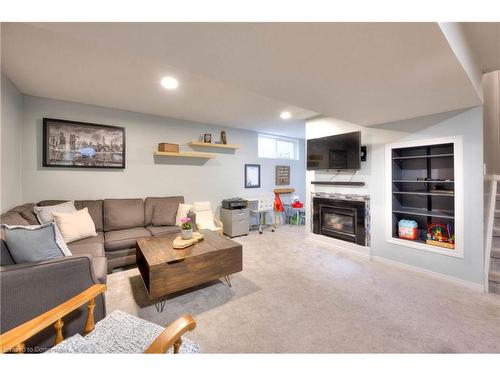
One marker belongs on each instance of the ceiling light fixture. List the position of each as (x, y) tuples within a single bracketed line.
[(170, 83), (285, 115)]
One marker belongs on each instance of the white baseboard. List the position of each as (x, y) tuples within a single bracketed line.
[(455, 280), (365, 252)]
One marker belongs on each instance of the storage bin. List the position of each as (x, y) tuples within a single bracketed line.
[(408, 229)]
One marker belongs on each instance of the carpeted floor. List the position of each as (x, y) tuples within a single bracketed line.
[(295, 295)]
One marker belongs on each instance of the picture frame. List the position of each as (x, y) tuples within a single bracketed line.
[(252, 176), (207, 138), (282, 175), (75, 144)]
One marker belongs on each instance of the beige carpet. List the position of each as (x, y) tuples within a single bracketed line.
[(295, 295)]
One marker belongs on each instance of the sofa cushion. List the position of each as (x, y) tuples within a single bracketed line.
[(167, 229), (95, 211), (100, 267), (93, 246), (166, 209), (27, 212), (123, 214), (13, 218), (124, 238)]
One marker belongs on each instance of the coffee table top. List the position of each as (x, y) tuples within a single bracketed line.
[(158, 250)]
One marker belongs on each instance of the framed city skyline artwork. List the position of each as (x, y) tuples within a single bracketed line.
[(73, 144)]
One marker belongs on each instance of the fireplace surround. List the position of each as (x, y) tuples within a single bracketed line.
[(342, 217)]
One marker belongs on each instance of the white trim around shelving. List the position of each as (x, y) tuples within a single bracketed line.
[(457, 141)]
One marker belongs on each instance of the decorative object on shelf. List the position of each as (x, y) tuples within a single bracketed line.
[(408, 229), (207, 138), (363, 153), (186, 228), (223, 137), (180, 243), (440, 235), (73, 144), (252, 176), (282, 175), (168, 147)]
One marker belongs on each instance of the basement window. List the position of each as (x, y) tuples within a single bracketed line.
[(273, 147)]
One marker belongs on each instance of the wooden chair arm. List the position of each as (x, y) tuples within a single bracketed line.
[(15, 338), (172, 335)]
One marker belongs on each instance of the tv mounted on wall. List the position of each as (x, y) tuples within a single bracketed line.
[(337, 152)]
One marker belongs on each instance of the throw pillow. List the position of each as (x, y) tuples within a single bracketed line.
[(204, 216), (34, 243), (45, 214), (75, 225), (163, 213), (182, 212)]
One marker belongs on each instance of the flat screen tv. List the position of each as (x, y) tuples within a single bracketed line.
[(337, 152)]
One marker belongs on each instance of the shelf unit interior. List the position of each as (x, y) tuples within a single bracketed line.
[(423, 188)]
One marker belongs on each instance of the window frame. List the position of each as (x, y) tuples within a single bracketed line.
[(277, 138)]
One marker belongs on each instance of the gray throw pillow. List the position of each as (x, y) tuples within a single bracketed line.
[(34, 243), (164, 213)]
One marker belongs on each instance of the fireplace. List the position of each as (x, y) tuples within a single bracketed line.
[(340, 218)]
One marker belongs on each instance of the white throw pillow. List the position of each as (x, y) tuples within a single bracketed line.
[(182, 212), (204, 216), (45, 214), (76, 225)]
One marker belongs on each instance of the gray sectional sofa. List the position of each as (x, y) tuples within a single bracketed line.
[(119, 224), (29, 289)]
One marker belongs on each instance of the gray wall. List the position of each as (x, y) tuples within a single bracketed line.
[(11, 133), (467, 123), (214, 180)]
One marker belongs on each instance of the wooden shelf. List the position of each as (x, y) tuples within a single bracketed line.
[(183, 154), (214, 145), (284, 190)]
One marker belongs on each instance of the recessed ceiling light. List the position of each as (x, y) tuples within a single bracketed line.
[(170, 83), (285, 115)]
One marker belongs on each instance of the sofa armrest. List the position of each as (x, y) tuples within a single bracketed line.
[(30, 289)]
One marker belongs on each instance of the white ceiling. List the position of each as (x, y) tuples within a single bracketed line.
[(243, 74)]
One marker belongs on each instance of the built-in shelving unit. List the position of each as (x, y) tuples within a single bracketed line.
[(214, 145), (424, 185), (186, 154)]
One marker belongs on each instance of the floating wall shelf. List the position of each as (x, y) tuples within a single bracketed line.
[(183, 154), (214, 145)]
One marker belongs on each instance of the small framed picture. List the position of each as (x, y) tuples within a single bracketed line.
[(207, 138), (252, 176), (282, 175)]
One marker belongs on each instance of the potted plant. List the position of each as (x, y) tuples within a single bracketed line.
[(187, 228)]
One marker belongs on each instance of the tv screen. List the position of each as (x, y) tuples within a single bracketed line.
[(338, 152)]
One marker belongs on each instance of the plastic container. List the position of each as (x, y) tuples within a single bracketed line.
[(408, 229)]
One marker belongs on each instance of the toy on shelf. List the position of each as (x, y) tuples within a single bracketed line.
[(408, 229), (440, 235)]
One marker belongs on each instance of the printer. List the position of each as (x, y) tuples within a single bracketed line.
[(234, 204)]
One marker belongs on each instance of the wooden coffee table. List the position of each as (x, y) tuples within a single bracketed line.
[(165, 270)]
